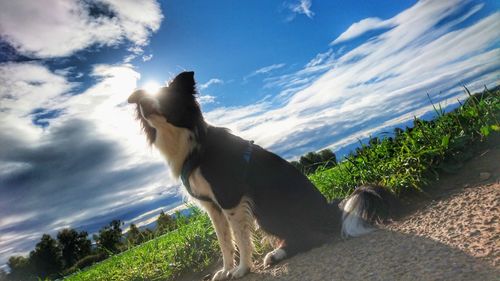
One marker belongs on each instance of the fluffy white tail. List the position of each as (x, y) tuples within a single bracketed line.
[(366, 206)]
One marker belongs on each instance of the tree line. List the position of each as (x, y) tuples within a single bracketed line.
[(311, 161), (70, 250)]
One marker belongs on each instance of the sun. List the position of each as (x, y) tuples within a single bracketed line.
[(151, 87)]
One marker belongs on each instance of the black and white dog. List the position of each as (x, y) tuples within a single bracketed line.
[(239, 183)]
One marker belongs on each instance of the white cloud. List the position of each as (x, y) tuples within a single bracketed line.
[(320, 59), (369, 24), (265, 70), (361, 27), (60, 28), (302, 7), (26, 87), (213, 81), (269, 68), (239, 118), (104, 105), (206, 99), (337, 97), (147, 57), (136, 50), (92, 157), (137, 18)]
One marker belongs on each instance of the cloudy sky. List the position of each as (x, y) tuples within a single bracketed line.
[(294, 76)]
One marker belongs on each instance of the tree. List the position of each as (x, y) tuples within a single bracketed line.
[(311, 161), (46, 258), (165, 223), (74, 246), (328, 157), (147, 234), (20, 268), (134, 236), (110, 236)]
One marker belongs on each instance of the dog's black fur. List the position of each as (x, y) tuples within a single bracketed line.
[(284, 202)]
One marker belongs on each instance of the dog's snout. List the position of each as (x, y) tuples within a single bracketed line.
[(136, 96), (148, 106)]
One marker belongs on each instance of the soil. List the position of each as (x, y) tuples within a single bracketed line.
[(449, 232)]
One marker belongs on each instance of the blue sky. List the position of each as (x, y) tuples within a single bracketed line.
[(294, 76)]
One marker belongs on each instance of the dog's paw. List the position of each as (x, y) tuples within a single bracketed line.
[(239, 271), (274, 257), (222, 274)]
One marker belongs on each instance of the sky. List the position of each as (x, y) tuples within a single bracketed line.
[(293, 75)]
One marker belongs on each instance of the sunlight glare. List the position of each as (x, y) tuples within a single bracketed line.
[(151, 87)]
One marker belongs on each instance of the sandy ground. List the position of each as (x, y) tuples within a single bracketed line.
[(451, 233)]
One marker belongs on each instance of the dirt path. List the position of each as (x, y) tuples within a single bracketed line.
[(453, 234), (453, 239)]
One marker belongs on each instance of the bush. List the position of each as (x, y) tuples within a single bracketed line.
[(85, 262)]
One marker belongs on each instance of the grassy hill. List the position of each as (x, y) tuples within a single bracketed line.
[(403, 163), (192, 246)]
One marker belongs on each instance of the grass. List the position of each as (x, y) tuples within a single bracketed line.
[(413, 157), (192, 246), (405, 162)]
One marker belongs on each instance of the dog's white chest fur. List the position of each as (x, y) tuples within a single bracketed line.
[(200, 186), (173, 142)]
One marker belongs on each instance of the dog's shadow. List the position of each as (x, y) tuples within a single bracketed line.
[(381, 255)]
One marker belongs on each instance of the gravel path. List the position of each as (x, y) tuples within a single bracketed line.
[(469, 221), (453, 239)]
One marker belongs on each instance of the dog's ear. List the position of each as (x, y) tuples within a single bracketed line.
[(184, 83)]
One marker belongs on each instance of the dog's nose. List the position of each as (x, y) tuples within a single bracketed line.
[(148, 106)]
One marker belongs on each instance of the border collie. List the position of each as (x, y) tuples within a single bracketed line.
[(239, 183)]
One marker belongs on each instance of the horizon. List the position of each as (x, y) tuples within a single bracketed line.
[(294, 76)]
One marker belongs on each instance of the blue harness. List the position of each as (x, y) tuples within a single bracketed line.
[(193, 161)]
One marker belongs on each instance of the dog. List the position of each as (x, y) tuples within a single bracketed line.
[(239, 183)]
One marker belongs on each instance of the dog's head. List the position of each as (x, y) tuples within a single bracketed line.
[(173, 105)]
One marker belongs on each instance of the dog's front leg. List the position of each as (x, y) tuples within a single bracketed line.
[(241, 222), (223, 232)]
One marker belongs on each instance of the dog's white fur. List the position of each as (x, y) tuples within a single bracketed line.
[(200, 186), (173, 142), (273, 256), (233, 224), (241, 221), (352, 223), (236, 224), (224, 236)]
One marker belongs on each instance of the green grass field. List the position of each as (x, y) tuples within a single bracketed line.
[(403, 163), (411, 158), (192, 246)]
